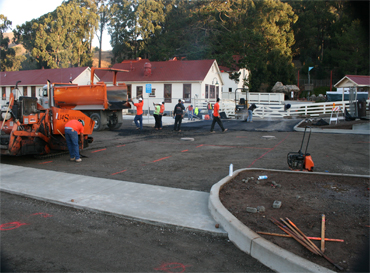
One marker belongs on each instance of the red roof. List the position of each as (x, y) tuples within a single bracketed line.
[(167, 71), (359, 80), (40, 76)]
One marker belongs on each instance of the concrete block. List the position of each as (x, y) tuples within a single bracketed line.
[(252, 210), (276, 204)]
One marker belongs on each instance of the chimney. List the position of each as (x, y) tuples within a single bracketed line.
[(147, 69)]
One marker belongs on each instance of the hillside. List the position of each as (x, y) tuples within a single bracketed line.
[(10, 35), (105, 59)]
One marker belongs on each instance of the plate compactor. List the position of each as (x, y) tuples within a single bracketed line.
[(301, 161)]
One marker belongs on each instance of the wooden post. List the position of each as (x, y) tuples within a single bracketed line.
[(323, 233)]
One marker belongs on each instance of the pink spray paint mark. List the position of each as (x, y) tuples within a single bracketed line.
[(99, 150), (161, 159), (118, 172), (46, 162), (43, 214), (172, 267), (11, 225)]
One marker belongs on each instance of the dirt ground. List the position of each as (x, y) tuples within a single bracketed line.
[(164, 159), (304, 198)]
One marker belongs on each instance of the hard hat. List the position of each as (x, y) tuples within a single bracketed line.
[(140, 99), (83, 123), (183, 101)]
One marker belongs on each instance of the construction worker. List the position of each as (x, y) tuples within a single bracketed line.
[(190, 112), (250, 112), (216, 117), (178, 113), (157, 109), (196, 111), (161, 113), (209, 108), (72, 128), (139, 113)]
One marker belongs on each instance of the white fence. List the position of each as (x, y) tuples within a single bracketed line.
[(278, 110), (254, 97), (271, 105)]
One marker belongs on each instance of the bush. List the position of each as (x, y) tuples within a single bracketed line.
[(322, 90)]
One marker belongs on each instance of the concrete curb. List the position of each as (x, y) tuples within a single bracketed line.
[(332, 131), (245, 239)]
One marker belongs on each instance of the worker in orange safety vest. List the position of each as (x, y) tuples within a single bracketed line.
[(161, 114), (139, 113), (72, 129), (217, 117)]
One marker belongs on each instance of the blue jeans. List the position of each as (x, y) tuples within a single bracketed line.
[(72, 143), (190, 115), (210, 114), (140, 119), (250, 115)]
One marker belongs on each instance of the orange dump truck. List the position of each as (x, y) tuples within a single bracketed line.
[(100, 102)]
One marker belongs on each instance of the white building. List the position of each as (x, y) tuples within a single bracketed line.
[(195, 81)]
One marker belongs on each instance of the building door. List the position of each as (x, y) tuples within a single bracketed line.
[(168, 93)]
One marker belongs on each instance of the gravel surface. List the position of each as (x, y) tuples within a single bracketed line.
[(304, 198)]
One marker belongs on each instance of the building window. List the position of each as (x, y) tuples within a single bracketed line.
[(168, 93), (187, 93), (230, 89), (25, 91), (217, 91), (206, 91), (33, 91), (153, 93), (129, 91), (139, 91), (212, 93), (3, 93)]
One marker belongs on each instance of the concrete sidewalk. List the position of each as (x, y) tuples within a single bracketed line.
[(153, 204)]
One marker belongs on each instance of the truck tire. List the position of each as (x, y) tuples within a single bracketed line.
[(115, 121), (96, 117), (115, 126)]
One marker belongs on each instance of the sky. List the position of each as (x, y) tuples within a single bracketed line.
[(21, 11)]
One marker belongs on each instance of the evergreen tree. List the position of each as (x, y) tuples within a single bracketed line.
[(259, 32), (10, 60), (331, 36), (133, 23), (61, 38), (352, 57)]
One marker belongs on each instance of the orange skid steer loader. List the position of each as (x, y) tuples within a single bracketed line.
[(29, 129)]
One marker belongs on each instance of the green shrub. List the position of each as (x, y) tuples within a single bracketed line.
[(322, 90)]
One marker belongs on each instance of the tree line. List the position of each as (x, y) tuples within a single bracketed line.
[(263, 36)]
